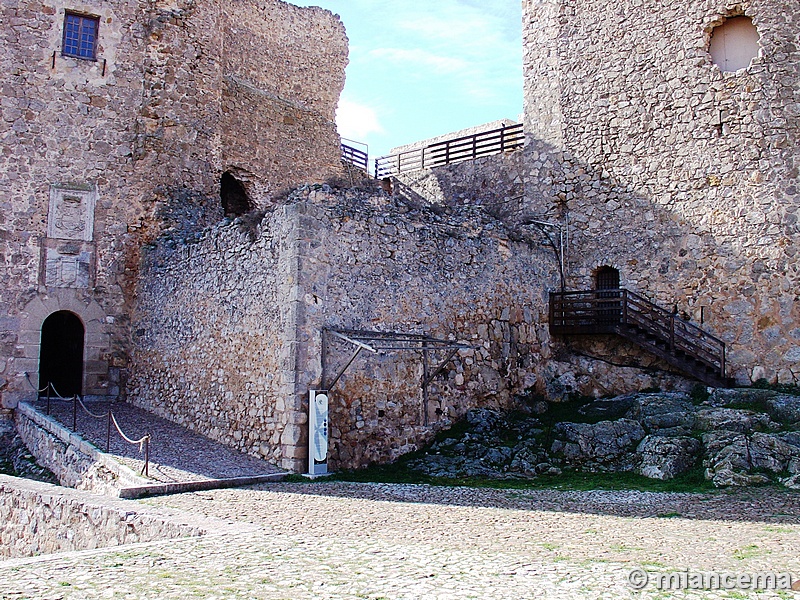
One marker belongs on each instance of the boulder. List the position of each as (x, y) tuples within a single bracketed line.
[(607, 445), (663, 411), (608, 408), (781, 407), (732, 419), (784, 408), (737, 459), (485, 422), (771, 453), (792, 482), (665, 457)]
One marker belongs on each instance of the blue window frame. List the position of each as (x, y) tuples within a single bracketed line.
[(80, 36)]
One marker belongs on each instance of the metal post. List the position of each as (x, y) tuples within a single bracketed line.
[(425, 383), (108, 433), (75, 412), (722, 363), (48, 398), (147, 455)]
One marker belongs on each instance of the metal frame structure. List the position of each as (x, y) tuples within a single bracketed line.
[(380, 342)]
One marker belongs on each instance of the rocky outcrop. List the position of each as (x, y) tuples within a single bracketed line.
[(665, 457), (603, 446), (660, 436)]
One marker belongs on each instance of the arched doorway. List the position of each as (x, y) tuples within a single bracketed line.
[(606, 278), (609, 308), (61, 353)]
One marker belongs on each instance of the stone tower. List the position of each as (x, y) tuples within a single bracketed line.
[(664, 137), (119, 115)]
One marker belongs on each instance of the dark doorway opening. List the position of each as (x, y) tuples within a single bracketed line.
[(235, 201), (61, 353), (607, 278), (607, 284)]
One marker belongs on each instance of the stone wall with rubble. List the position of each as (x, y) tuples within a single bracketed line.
[(40, 518), (102, 156), (228, 327), (213, 329), (492, 182), (458, 274), (682, 177)]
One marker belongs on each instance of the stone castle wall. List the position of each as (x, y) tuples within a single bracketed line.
[(679, 175), (457, 275), (102, 156), (229, 330), (212, 333)]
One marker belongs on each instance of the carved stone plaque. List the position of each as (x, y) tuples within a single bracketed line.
[(68, 270), (71, 214)]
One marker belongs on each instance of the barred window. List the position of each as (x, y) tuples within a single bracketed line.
[(80, 36)]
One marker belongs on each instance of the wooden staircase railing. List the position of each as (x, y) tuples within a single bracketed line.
[(663, 333)]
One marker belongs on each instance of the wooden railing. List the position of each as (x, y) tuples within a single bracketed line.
[(628, 314), (354, 156), (451, 151)]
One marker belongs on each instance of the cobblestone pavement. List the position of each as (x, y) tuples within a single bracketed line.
[(176, 454), (337, 540)]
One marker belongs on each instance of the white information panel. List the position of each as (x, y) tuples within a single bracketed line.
[(317, 432)]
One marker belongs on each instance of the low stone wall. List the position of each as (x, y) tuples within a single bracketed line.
[(40, 518), (73, 460)]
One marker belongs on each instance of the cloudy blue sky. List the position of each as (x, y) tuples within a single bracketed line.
[(422, 68)]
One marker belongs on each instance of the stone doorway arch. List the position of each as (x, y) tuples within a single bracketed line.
[(606, 278), (61, 357)]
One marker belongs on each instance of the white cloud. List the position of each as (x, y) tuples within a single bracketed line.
[(357, 121), (418, 58)]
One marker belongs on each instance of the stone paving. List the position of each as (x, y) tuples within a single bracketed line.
[(338, 540), (176, 454)]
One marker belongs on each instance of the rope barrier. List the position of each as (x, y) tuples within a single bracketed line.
[(125, 437), (30, 383), (143, 443), (90, 413)]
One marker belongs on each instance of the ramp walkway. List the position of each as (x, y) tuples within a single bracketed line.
[(179, 459)]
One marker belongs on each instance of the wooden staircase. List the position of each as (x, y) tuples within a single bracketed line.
[(662, 333)]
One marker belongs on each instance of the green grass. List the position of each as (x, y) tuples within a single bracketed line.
[(693, 481), (783, 388), (747, 552)]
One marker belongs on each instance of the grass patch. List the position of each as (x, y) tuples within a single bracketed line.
[(747, 552), (692, 481), (784, 388)]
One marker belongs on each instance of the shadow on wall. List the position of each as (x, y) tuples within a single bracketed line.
[(713, 270)]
